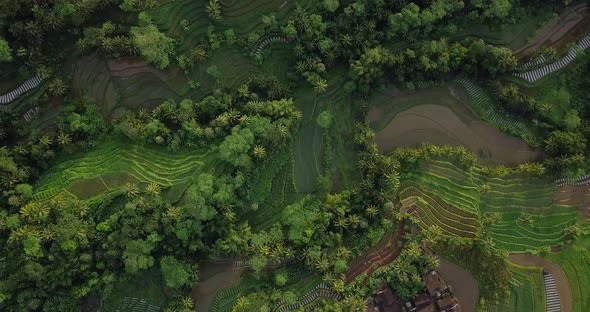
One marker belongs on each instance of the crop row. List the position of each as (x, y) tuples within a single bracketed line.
[(484, 105), (226, 299), (143, 163)]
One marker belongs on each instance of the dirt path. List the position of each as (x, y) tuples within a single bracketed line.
[(563, 287), (439, 125), (214, 277), (463, 284)]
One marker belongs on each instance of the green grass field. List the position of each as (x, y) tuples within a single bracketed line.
[(111, 164), (575, 261), (528, 291), (454, 194)]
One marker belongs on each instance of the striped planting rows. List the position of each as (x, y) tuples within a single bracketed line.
[(386, 251), (226, 299), (137, 305), (452, 198), (552, 297), (579, 181), (538, 73), (319, 292), (142, 163), (484, 105), (30, 114), (532, 63), (269, 264), (453, 221), (263, 42), (26, 86)]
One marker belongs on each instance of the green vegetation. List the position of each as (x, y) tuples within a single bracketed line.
[(528, 291), (183, 154), (575, 261)]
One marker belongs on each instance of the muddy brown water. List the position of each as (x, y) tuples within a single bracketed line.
[(463, 284), (214, 277), (440, 125), (563, 287)]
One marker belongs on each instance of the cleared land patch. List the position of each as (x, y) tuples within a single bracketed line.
[(435, 116), (463, 284)]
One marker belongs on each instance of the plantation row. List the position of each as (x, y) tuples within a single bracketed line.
[(26, 86), (538, 73), (522, 215), (486, 108), (144, 164), (138, 305), (226, 299), (321, 291)]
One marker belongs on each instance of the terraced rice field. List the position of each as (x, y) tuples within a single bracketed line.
[(406, 118), (381, 255), (528, 291), (112, 164), (432, 211), (448, 192)]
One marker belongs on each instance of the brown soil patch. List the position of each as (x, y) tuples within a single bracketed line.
[(130, 66), (552, 33), (214, 277), (574, 196), (563, 287), (439, 125), (381, 255), (85, 189), (463, 284)]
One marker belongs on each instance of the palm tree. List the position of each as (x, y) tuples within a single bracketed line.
[(371, 211), (199, 54), (81, 208), (57, 87), (525, 219), (484, 188), (259, 151), (64, 139), (131, 189), (153, 189), (214, 10), (187, 302), (320, 85), (322, 264), (344, 253), (173, 212), (45, 140), (35, 212)]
